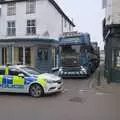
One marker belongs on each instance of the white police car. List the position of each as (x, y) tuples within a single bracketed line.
[(23, 79)]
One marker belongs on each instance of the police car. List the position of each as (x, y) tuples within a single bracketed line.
[(24, 79)]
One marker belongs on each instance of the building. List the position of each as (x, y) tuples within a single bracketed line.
[(111, 35), (28, 32), (102, 55)]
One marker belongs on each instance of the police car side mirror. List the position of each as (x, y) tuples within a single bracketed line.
[(21, 75)]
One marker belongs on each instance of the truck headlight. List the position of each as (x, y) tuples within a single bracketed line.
[(84, 70), (60, 70), (81, 72)]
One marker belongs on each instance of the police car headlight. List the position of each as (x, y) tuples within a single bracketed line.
[(50, 81)]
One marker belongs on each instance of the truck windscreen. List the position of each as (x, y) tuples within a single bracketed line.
[(70, 55), (71, 50)]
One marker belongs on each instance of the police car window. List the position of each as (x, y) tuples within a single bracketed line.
[(2, 71), (13, 72)]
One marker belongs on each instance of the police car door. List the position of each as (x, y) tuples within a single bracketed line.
[(15, 82), (3, 83)]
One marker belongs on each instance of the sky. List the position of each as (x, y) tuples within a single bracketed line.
[(87, 16)]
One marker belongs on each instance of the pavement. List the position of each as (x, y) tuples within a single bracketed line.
[(100, 82)]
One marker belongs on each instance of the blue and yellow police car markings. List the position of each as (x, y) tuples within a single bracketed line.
[(4, 82), (42, 81), (29, 80), (1, 80), (9, 82), (18, 82)]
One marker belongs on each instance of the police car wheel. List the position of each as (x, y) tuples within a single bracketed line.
[(36, 90)]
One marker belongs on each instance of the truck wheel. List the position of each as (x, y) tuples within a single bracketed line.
[(36, 90)]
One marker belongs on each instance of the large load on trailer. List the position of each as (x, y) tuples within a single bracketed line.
[(96, 54), (75, 60)]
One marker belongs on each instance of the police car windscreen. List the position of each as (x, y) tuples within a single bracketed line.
[(31, 70)]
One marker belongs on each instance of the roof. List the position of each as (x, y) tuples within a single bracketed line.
[(61, 11), (52, 2)]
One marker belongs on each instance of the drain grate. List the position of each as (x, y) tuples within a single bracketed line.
[(77, 99)]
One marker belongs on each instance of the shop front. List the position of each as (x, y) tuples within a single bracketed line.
[(39, 53), (112, 54)]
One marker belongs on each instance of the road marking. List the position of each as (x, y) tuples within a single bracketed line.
[(84, 90), (100, 93)]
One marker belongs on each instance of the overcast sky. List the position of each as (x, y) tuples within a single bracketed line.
[(87, 15)]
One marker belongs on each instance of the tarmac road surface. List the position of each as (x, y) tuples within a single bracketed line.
[(77, 102)]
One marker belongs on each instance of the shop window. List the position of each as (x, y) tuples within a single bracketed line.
[(4, 56), (20, 55), (40, 54), (43, 54), (28, 56), (9, 55), (54, 57), (116, 59)]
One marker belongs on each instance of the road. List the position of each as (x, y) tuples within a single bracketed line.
[(78, 101)]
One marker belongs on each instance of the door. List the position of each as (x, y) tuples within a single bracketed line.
[(42, 60), (3, 82), (15, 83), (11, 82)]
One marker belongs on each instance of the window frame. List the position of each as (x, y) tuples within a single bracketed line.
[(30, 6), (11, 9), (20, 55), (3, 69), (116, 58), (43, 54), (28, 56), (15, 70), (31, 26), (19, 72), (54, 57), (11, 28)]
